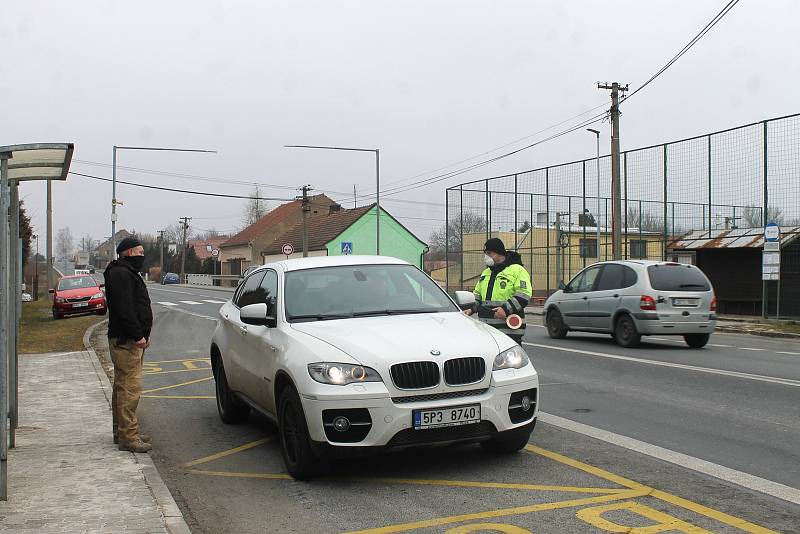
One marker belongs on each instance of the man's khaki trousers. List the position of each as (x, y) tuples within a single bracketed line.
[(127, 359)]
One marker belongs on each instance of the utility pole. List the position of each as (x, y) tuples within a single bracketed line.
[(161, 251), (616, 189), (355, 197), (306, 209), (50, 283), (184, 221)]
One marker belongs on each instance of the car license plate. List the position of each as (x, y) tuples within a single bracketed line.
[(450, 416), (684, 302), (80, 305)]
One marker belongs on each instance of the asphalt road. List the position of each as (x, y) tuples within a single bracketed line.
[(231, 478)]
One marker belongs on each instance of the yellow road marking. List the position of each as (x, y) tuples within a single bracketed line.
[(228, 452), (661, 495), (592, 470), (495, 485), (710, 512), (179, 361), (483, 527), (279, 476), (428, 523), (178, 385), (148, 373), (663, 522), (178, 397)]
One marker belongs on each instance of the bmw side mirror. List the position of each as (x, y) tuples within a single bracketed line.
[(465, 299), (254, 314)]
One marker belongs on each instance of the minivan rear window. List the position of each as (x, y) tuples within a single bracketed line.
[(677, 278)]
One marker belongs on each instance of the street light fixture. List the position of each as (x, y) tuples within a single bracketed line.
[(114, 200), (597, 164), (377, 182)]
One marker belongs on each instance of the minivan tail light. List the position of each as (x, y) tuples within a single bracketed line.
[(647, 303), (713, 306)]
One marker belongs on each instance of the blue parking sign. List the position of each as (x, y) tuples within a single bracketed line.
[(347, 248)]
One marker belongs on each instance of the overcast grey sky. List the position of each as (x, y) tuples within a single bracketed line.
[(429, 83)]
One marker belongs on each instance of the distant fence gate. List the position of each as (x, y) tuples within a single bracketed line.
[(735, 178)]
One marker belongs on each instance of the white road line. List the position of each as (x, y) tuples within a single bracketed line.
[(167, 303), (792, 353), (190, 302), (722, 372), (753, 482), (720, 346), (748, 348), (214, 301)]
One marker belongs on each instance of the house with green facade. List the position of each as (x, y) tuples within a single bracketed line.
[(341, 231)]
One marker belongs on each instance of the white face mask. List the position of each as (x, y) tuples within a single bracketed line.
[(488, 260)]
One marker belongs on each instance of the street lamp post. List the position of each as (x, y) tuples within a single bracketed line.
[(114, 200), (597, 164), (377, 182)]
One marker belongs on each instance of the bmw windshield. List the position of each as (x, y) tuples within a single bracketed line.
[(361, 291)]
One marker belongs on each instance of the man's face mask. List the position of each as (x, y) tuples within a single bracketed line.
[(136, 261), (488, 260)]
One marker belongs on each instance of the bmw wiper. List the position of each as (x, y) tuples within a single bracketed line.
[(321, 316), (371, 313), (692, 285)]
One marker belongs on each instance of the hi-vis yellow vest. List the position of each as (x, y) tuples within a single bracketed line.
[(509, 289)]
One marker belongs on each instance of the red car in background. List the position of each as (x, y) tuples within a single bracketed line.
[(78, 294)]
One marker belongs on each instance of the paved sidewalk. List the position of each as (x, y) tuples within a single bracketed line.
[(65, 474)]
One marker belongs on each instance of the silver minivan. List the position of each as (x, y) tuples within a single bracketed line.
[(634, 298)]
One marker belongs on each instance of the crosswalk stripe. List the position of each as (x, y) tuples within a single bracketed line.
[(167, 303), (214, 301), (189, 302)]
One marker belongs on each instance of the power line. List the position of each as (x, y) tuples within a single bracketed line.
[(201, 193), (713, 22)]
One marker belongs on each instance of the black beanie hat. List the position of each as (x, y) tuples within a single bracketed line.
[(128, 242), (495, 245)]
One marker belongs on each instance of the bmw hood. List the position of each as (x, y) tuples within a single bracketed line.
[(381, 341)]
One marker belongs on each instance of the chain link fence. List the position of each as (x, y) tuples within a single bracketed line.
[(559, 217)]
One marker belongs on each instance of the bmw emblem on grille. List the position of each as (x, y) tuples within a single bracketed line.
[(435, 352)]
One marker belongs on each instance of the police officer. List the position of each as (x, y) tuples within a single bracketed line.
[(130, 320), (504, 289)]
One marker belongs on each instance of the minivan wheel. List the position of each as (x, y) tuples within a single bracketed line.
[(556, 328), (231, 410), (300, 460), (696, 341), (625, 332)]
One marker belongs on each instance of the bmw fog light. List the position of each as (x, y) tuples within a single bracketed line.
[(341, 424), (526, 403)]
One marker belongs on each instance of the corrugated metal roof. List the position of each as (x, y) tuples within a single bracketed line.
[(738, 238)]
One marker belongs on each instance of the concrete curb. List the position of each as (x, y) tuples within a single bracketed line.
[(173, 518)]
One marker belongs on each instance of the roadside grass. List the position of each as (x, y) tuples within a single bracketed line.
[(792, 327), (39, 332)]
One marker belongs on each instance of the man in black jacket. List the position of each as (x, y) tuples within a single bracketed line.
[(130, 320)]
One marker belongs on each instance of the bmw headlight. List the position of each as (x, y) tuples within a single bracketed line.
[(341, 374), (513, 358)]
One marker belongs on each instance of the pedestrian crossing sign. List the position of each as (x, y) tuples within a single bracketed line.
[(347, 248)]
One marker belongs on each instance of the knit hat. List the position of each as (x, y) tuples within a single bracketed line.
[(495, 245), (127, 243)]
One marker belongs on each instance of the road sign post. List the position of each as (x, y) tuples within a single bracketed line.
[(287, 250), (771, 265), (347, 248)]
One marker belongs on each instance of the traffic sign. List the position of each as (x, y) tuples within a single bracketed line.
[(215, 252), (772, 232), (347, 248), (288, 249)]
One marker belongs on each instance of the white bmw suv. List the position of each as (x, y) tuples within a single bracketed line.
[(355, 353)]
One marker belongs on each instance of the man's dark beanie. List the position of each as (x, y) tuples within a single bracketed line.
[(128, 242), (495, 245)]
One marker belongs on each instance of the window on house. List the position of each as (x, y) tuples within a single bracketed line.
[(588, 248), (637, 248)]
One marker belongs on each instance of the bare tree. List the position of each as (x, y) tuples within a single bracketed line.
[(753, 217), (645, 221), (87, 243), (450, 235), (65, 245), (254, 208)]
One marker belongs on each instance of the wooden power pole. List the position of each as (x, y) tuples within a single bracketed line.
[(185, 224), (306, 204), (616, 189)]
